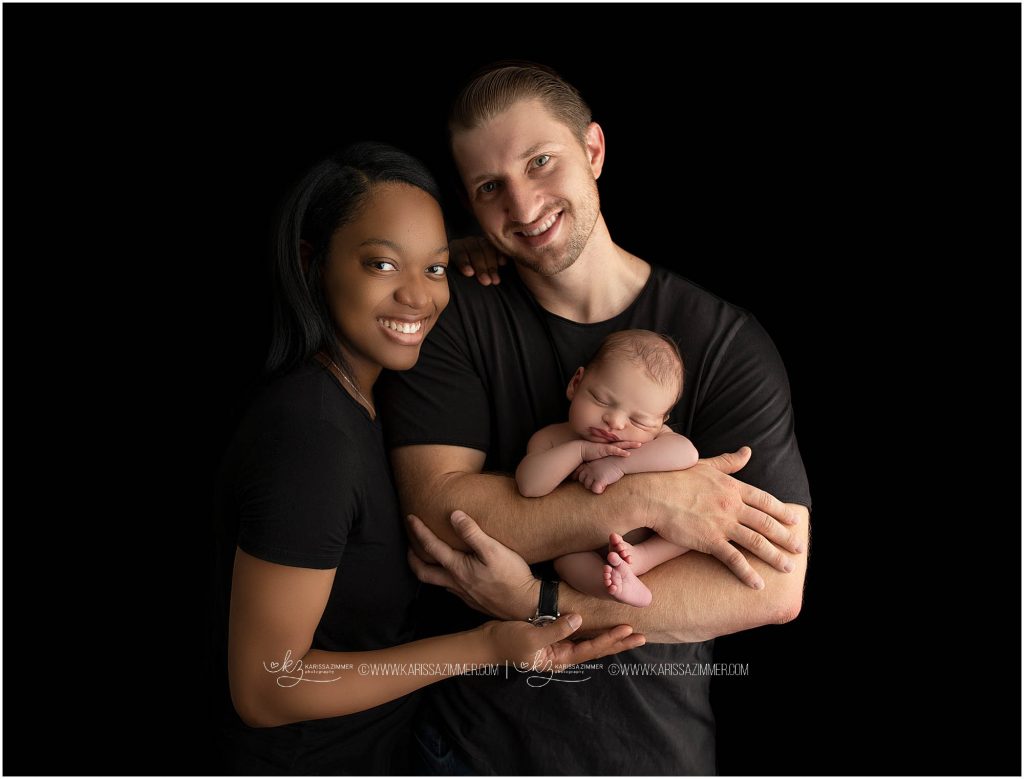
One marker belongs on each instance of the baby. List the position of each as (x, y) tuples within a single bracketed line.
[(619, 405)]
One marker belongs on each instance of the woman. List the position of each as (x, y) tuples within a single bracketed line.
[(320, 590)]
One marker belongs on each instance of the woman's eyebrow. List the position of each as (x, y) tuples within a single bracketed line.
[(394, 246), (382, 242)]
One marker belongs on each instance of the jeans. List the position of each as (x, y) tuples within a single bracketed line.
[(437, 756)]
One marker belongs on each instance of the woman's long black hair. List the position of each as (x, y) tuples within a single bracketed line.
[(329, 196)]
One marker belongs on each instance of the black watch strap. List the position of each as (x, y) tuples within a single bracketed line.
[(547, 604)]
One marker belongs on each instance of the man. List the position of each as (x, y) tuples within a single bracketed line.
[(495, 370)]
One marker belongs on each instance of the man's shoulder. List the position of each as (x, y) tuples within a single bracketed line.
[(678, 303)]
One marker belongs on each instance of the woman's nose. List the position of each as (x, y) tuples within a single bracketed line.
[(413, 293)]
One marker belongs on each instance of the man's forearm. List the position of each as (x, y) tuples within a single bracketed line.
[(697, 598), (569, 519)]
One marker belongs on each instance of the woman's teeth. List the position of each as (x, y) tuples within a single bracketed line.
[(402, 327)]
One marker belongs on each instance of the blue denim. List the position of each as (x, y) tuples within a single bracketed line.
[(437, 756)]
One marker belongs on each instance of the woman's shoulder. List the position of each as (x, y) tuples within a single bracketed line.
[(304, 401)]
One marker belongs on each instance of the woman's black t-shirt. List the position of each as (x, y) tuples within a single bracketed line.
[(306, 482)]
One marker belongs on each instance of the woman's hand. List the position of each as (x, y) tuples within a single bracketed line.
[(490, 578), (546, 648), (477, 257)]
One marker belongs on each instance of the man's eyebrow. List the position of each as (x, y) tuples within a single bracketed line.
[(534, 149), (394, 246), (523, 156)]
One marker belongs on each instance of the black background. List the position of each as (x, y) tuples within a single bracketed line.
[(851, 174)]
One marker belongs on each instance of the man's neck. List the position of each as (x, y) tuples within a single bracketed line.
[(602, 283)]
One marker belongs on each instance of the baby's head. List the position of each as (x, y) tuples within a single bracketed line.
[(625, 393)]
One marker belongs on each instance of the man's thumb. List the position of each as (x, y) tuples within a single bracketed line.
[(730, 462)]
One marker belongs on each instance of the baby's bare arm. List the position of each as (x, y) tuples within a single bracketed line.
[(668, 452)]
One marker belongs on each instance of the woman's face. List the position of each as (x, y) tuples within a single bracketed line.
[(385, 277)]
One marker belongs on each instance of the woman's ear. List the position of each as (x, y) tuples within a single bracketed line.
[(574, 383), (305, 254)]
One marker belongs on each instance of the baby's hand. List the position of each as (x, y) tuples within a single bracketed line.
[(595, 451), (597, 475)]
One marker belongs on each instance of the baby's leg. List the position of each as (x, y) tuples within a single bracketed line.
[(584, 571), (645, 555)]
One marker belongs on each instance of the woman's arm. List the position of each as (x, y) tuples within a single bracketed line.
[(275, 610)]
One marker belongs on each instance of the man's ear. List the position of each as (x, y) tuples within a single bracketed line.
[(593, 141), (574, 383), (305, 254)]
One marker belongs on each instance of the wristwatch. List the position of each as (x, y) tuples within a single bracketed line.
[(547, 605)]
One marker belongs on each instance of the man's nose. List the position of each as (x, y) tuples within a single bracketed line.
[(523, 202)]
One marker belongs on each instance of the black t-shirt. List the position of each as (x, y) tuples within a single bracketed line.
[(493, 371), (306, 482)]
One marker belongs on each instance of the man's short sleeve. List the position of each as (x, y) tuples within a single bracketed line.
[(746, 401), (442, 400), (296, 494)]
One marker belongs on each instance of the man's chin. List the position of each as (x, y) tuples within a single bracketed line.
[(544, 266)]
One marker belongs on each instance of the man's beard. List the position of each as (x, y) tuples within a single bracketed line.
[(545, 262)]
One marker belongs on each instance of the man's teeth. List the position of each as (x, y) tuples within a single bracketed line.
[(402, 327), (544, 227)]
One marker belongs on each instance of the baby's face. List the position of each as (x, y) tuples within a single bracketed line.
[(617, 401)]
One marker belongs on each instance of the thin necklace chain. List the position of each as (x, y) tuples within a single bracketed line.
[(353, 385)]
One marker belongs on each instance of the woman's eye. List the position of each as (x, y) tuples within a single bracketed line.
[(438, 271), (542, 160), (382, 265), (489, 187)]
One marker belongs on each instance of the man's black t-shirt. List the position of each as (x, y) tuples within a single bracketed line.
[(306, 482), (493, 371)]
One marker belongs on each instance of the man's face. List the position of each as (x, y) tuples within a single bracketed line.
[(532, 185)]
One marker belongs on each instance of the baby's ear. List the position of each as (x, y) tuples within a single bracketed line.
[(574, 383)]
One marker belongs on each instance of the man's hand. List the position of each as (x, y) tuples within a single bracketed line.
[(598, 474), (490, 578), (477, 257), (705, 508)]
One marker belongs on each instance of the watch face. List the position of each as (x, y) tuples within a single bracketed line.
[(542, 620)]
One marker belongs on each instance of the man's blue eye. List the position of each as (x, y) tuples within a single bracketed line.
[(488, 187), (542, 160)]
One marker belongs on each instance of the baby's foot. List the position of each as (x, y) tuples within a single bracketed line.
[(617, 543), (622, 583)]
